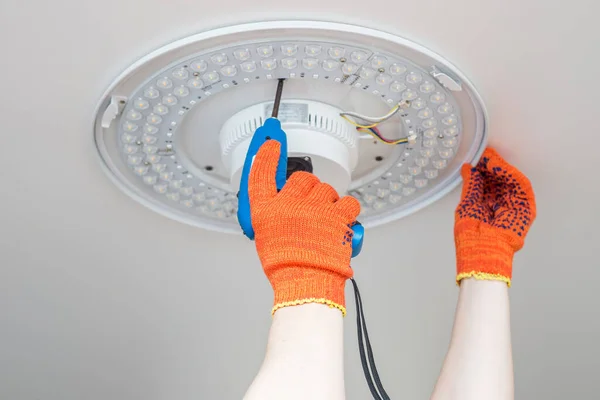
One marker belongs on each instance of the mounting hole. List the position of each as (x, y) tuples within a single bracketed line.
[(378, 158), (209, 168), (299, 164)]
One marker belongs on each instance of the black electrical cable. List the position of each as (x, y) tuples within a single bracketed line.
[(361, 348), (367, 360), (370, 350)]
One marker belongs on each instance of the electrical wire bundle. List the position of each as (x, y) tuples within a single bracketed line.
[(377, 135), (372, 122)]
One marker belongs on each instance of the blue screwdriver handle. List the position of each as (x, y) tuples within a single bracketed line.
[(271, 130)]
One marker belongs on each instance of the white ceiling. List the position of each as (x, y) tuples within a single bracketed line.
[(101, 298)]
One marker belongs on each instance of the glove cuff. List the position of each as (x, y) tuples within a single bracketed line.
[(483, 256), (294, 286)]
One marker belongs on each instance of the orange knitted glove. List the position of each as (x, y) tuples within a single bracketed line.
[(303, 233), (494, 215)]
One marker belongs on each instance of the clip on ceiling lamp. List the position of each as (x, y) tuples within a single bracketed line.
[(380, 117)]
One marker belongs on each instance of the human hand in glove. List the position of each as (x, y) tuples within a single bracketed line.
[(495, 213), (303, 233)]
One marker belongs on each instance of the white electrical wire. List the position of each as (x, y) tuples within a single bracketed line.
[(377, 120)]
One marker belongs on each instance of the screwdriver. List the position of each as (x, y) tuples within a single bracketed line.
[(278, 94)]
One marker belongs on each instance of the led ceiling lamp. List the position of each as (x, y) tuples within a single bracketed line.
[(173, 129)]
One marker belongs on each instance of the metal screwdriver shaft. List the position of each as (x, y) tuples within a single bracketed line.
[(277, 98)]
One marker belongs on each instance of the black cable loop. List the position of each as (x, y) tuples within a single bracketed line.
[(367, 360)]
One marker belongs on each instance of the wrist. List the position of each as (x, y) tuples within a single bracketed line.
[(293, 286), (483, 256)]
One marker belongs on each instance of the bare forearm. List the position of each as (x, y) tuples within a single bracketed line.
[(304, 358), (479, 362)]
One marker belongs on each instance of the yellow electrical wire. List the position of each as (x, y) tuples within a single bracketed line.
[(367, 128), (372, 125), (395, 142), (359, 125)]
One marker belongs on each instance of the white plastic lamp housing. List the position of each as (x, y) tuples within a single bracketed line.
[(313, 130), (170, 129)]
